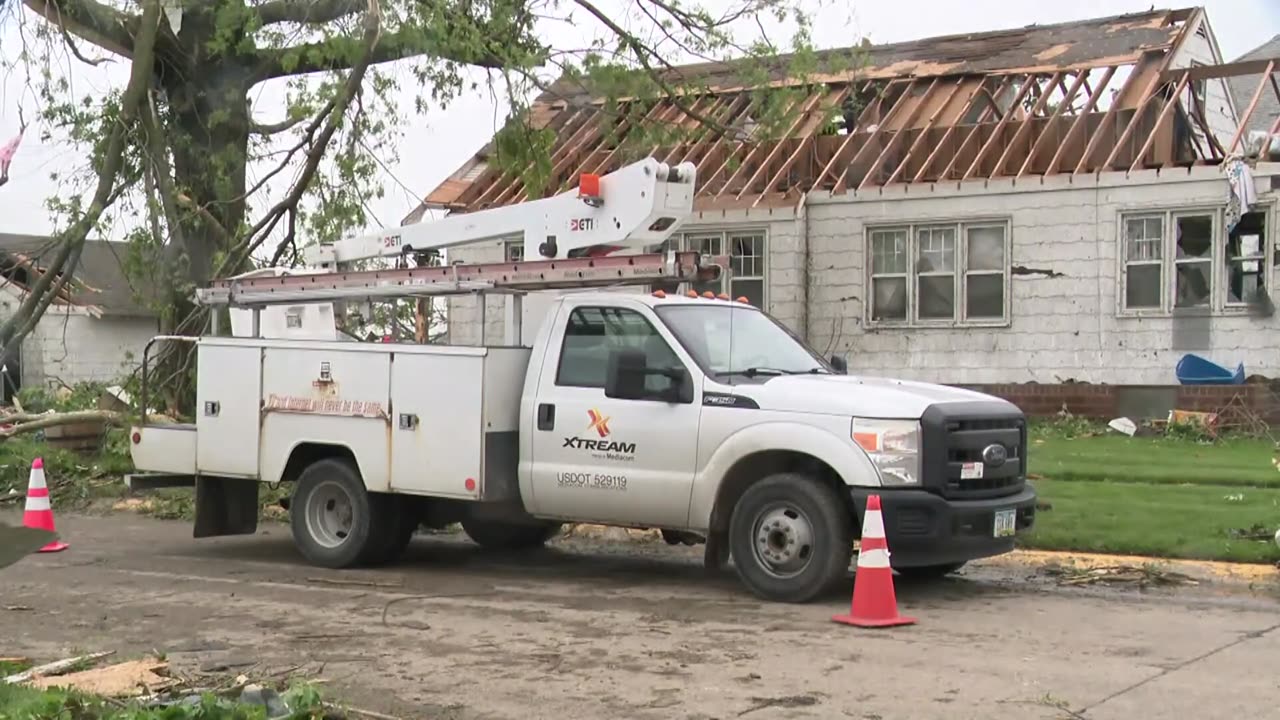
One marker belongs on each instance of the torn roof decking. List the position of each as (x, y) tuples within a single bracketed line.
[(1058, 99), (99, 285)]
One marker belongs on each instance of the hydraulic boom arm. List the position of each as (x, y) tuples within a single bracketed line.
[(636, 206)]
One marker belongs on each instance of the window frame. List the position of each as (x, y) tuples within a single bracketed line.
[(512, 248), (724, 235), (1219, 305), (960, 273)]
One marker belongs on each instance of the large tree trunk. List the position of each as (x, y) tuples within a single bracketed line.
[(208, 131), (209, 123)]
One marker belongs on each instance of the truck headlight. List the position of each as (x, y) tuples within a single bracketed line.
[(894, 447)]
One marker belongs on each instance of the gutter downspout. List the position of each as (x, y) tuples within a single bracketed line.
[(802, 220)]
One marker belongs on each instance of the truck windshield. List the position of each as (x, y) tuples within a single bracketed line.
[(729, 341)]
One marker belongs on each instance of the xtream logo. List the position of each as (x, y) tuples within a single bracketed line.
[(603, 447)]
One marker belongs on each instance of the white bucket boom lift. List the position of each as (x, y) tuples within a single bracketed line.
[(638, 206)]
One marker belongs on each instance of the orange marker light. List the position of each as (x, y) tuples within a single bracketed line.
[(868, 441), (692, 294), (744, 300), (659, 293), (589, 185), (709, 295), (722, 296)]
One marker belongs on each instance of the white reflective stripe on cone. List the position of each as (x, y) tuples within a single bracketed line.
[(873, 525), (38, 503), (37, 479), (873, 559)]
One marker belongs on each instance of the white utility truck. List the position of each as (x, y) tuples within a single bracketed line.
[(698, 415)]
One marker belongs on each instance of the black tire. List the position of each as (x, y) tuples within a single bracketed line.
[(787, 502), (331, 542), (509, 536), (929, 572)]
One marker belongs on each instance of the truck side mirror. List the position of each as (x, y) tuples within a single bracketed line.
[(628, 370), (840, 364), (625, 375)]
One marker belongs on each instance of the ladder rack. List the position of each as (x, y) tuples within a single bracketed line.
[(509, 277)]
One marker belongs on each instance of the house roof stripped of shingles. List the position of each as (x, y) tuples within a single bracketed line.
[(99, 284), (1039, 100)]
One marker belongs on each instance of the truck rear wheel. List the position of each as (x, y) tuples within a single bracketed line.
[(508, 536), (333, 517), (790, 538)]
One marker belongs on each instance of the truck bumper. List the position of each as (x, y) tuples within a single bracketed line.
[(925, 529)]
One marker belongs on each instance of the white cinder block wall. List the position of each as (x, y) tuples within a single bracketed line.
[(74, 347), (1064, 321)]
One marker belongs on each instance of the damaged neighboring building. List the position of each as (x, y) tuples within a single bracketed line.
[(1022, 210), (95, 330)]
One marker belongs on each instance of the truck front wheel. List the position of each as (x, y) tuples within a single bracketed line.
[(508, 536), (790, 538), (332, 515)]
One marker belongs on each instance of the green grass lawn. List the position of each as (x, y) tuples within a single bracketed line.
[(1117, 458), (1160, 520)]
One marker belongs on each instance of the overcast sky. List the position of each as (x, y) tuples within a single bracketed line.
[(435, 145)]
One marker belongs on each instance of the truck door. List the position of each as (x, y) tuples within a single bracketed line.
[(604, 459)]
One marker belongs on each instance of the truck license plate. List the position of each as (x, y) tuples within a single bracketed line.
[(1006, 523)]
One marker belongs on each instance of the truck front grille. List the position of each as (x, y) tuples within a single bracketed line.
[(955, 438)]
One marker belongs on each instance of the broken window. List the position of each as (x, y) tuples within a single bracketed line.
[(1193, 260), (1246, 260), (1184, 260), (938, 272)]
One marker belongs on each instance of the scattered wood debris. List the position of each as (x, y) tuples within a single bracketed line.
[(1142, 576), (58, 667), (133, 678)]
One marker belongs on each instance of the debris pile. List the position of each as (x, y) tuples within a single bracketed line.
[(1140, 576), (149, 684)]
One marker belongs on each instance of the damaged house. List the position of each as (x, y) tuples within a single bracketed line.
[(96, 328), (1056, 213)]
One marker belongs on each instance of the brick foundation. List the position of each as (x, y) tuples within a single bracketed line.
[(1104, 402)]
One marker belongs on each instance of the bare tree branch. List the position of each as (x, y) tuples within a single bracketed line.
[(413, 41), (100, 24), (371, 38), (276, 128), (644, 56)]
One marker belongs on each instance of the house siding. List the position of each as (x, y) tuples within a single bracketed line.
[(1064, 321), (72, 346)]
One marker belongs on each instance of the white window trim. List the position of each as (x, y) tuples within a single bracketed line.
[(724, 233), (961, 274), (1218, 304)]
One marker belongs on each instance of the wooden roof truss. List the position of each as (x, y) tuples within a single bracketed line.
[(856, 136)]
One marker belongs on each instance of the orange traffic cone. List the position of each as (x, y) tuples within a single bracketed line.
[(874, 602), (39, 512)]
